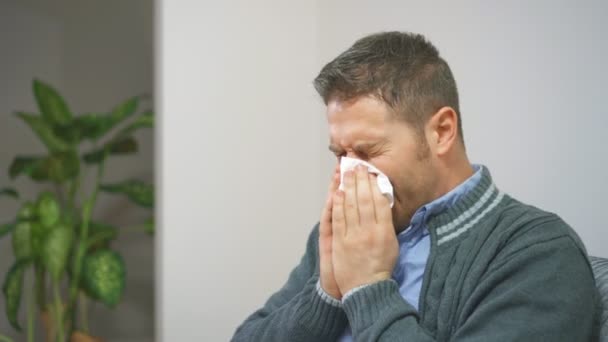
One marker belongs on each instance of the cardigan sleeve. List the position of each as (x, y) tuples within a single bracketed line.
[(299, 311)]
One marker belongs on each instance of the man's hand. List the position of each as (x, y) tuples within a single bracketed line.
[(328, 281), (365, 246)]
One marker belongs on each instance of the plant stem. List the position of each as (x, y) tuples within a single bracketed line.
[(58, 312), (83, 313), (39, 280), (5, 338), (87, 210), (31, 310), (74, 187)]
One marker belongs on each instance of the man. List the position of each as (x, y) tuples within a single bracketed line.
[(455, 259)]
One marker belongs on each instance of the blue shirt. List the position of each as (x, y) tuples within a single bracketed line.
[(415, 244)]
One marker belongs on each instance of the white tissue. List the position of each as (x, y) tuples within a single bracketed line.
[(386, 188)]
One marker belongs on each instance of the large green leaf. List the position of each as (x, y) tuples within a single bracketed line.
[(7, 228), (9, 192), (86, 126), (58, 167), (93, 126), (12, 288), (70, 132), (100, 234), (103, 276), (137, 191), (44, 131), (146, 120), (63, 166), (125, 145), (52, 106), (29, 165), (22, 240), (39, 234), (124, 110), (48, 209), (56, 249), (27, 212)]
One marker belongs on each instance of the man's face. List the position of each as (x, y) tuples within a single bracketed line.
[(364, 128)]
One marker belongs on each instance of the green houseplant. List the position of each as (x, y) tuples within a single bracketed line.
[(54, 237)]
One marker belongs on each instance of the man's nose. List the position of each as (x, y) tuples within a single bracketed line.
[(352, 155)]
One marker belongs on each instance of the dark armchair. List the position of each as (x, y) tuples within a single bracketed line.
[(600, 270)]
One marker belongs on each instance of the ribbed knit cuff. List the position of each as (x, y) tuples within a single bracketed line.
[(327, 297), (352, 291), (320, 317), (368, 304)]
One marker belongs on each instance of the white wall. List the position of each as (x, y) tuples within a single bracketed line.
[(243, 157), (238, 158)]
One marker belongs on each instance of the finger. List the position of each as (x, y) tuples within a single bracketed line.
[(373, 183), (365, 200), (338, 221), (333, 186), (325, 244), (325, 224), (326, 212), (382, 204), (351, 212), (335, 182)]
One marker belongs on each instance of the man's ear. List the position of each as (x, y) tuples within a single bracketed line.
[(442, 130)]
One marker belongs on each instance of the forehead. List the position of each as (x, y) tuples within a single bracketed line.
[(363, 118)]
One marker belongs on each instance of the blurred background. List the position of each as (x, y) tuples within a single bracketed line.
[(241, 153), (96, 54)]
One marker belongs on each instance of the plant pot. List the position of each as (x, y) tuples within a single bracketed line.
[(49, 326), (78, 336)]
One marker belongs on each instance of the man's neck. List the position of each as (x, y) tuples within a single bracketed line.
[(453, 175)]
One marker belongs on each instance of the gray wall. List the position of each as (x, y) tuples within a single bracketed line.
[(244, 162), (97, 54)]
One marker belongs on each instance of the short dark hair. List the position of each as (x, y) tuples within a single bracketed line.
[(402, 69)]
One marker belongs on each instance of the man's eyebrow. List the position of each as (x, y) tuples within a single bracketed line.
[(359, 146), (334, 148), (365, 146), (369, 145)]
